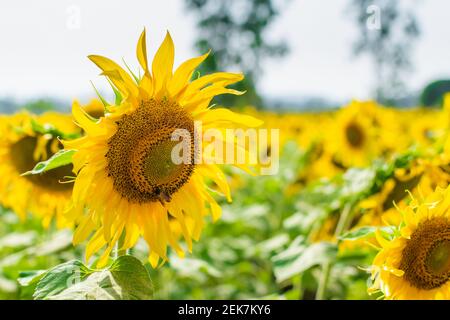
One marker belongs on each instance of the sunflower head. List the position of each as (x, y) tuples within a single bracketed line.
[(26, 140), (353, 141), (415, 263), (127, 181), (151, 175)]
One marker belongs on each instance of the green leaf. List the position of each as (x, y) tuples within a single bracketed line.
[(364, 232), (357, 182), (118, 96), (293, 251), (133, 278), (48, 128), (273, 244), (316, 254), (27, 282), (57, 243), (18, 240), (27, 278), (104, 102), (60, 278), (125, 279), (7, 285), (192, 268), (358, 233), (136, 78), (59, 159)]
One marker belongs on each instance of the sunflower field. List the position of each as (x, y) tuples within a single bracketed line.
[(93, 206)]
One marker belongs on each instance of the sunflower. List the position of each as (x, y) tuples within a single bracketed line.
[(21, 148), (353, 139), (425, 129), (422, 177), (127, 186), (380, 208), (94, 108), (415, 263)]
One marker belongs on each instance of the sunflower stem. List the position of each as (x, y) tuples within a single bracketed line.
[(342, 225), (323, 281), (300, 287), (344, 220)]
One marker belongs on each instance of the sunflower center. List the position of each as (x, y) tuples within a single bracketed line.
[(355, 135), (426, 257), (439, 258), (140, 152), (22, 154), (158, 166)]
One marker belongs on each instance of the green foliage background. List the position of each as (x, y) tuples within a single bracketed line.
[(260, 248)]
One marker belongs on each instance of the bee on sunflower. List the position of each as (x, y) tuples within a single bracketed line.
[(415, 262), (127, 185), (25, 140)]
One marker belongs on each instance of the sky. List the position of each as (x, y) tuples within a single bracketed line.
[(44, 46)]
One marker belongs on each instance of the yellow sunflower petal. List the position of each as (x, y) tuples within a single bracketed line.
[(162, 65), (221, 78), (212, 117), (141, 52), (184, 73), (119, 77), (83, 120)]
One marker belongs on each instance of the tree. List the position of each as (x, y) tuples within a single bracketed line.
[(433, 94), (387, 31), (236, 33)]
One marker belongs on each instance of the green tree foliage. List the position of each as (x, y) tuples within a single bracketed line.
[(236, 33), (40, 106), (433, 94), (388, 42)]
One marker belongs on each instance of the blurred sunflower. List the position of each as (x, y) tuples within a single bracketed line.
[(353, 139), (21, 148), (380, 207), (415, 263), (422, 177), (94, 108), (423, 131), (125, 175)]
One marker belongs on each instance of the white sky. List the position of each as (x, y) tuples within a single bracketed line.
[(41, 55)]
